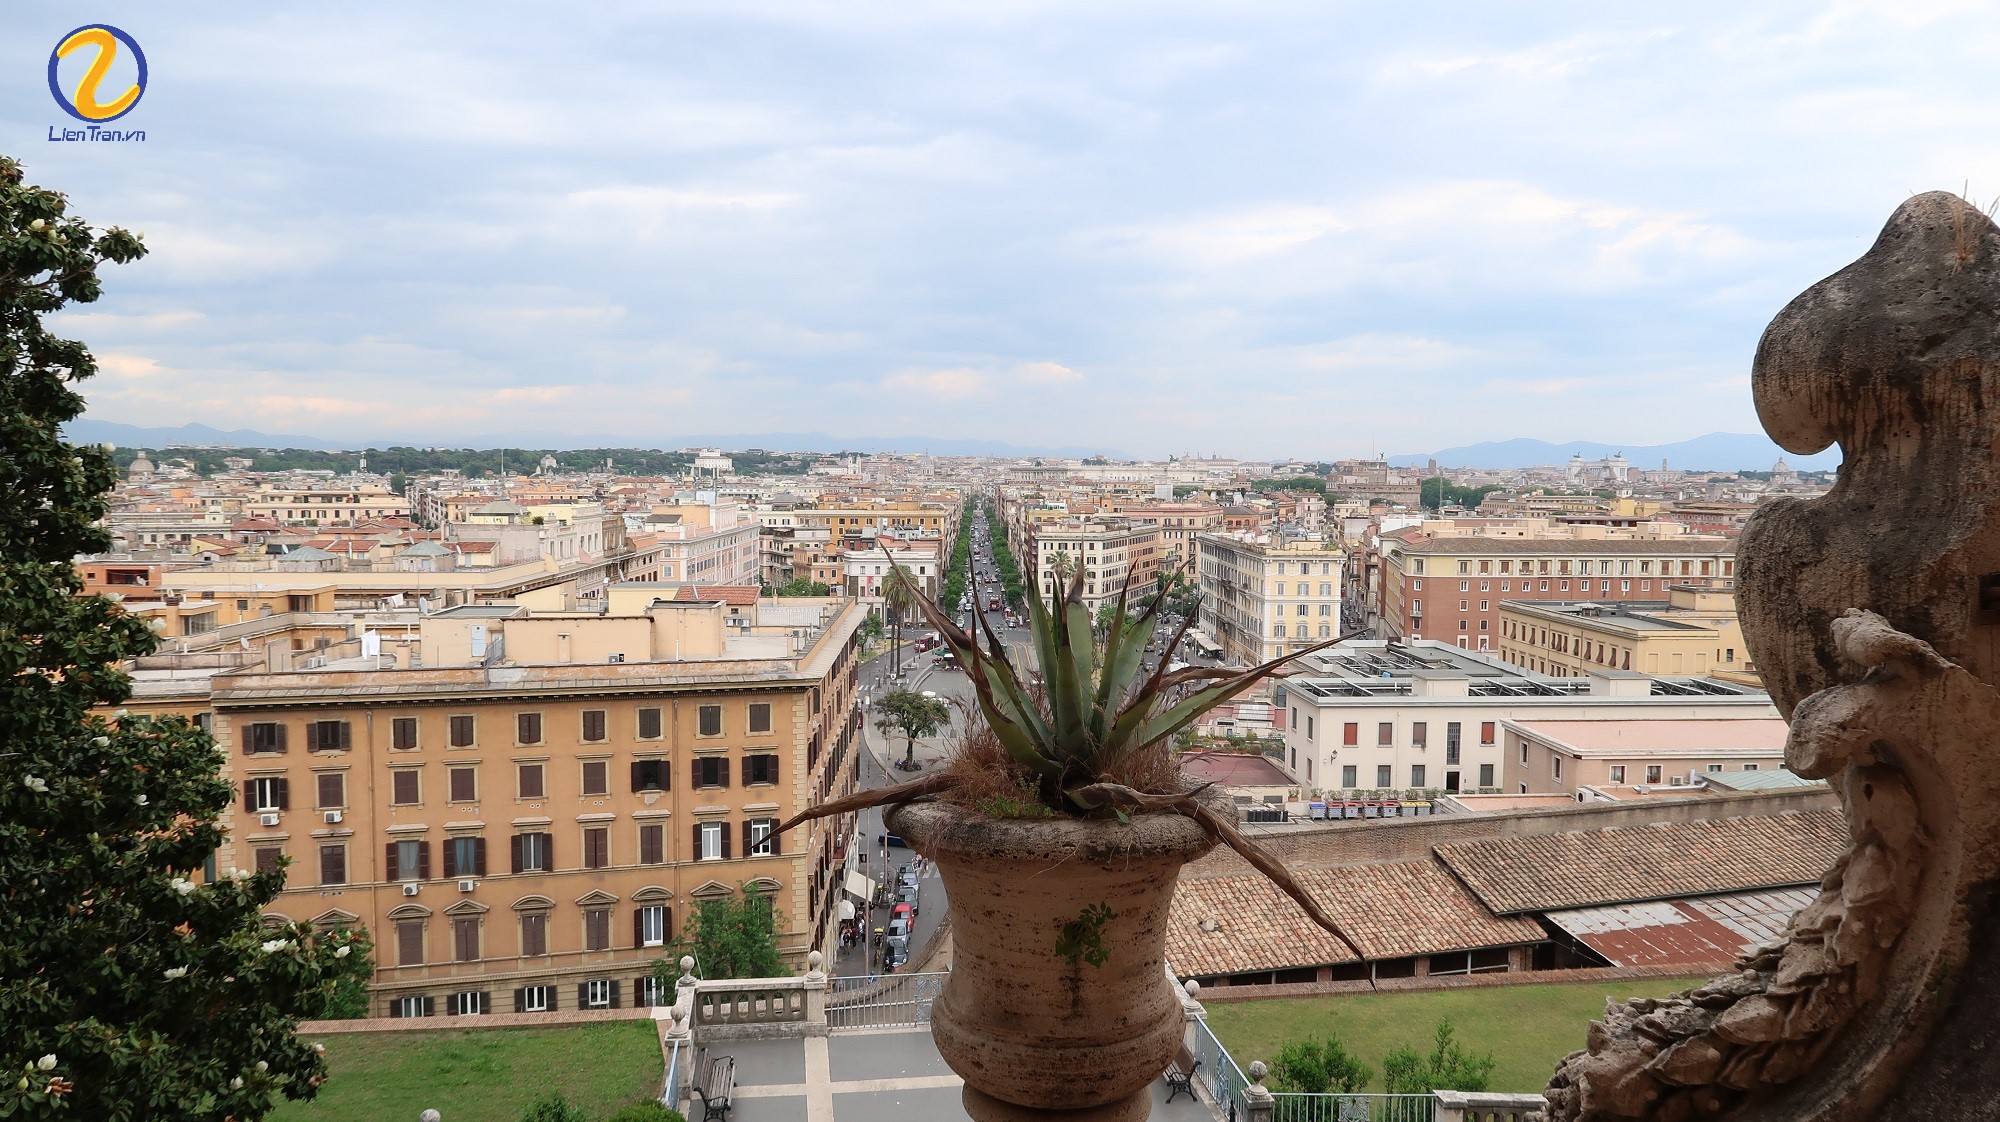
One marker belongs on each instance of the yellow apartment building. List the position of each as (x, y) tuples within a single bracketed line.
[(1693, 632), (527, 820)]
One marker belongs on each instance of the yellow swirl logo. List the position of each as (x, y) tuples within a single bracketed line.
[(88, 54)]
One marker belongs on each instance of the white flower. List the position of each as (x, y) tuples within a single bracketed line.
[(272, 946), (183, 885), (36, 784), (174, 972), (102, 741), (236, 1084), (47, 1063), (239, 874), (343, 952), (143, 800), (319, 1049), (37, 224), (262, 1066)]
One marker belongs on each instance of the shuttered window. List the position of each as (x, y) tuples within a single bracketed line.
[(531, 853), (709, 720), (267, 857), (596, 847), (328, 736), (596, 777), (649, 775), (593, 724), (534, 935), (652, 845), (410, 942), (404, 789), (760, 717), (530, 785), (760, 769), (464, 785), (461, 732), (597, 929), (649, 724), (265, 736), (465, 939), (528, 728), (403, 732), (332, 790), (465, 857), (333, 864), (711, 771)]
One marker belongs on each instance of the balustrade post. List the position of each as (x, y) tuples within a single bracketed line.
[(815, 986), (1257, 1099)]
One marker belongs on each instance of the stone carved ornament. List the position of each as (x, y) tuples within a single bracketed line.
[(1873, 613)]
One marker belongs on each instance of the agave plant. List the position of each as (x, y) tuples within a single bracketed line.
[(1095, 713)]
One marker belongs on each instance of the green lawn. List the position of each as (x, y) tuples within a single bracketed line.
[(1527, 1028), (488, 1075)]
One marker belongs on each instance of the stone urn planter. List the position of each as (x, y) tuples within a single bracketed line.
[(1053, 1005)]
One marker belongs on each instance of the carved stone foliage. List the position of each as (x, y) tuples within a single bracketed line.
[(1874, 615)]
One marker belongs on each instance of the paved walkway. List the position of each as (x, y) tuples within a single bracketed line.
[(861, 1075)]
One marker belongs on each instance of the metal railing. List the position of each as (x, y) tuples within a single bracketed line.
[(1287, 1107), (670, 1088), (881, 1000), (1219, 1073)]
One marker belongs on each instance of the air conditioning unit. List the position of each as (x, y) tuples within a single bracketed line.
[(267, 820), (410, 889), (467, 885), (332, 817), (617, 656)]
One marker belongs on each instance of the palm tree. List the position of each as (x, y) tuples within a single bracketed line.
[(898, 597)]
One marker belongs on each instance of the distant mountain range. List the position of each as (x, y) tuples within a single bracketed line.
[(88, 431), (1718, 451)]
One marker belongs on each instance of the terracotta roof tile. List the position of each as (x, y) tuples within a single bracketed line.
[(1656, 861), (1390, 911)]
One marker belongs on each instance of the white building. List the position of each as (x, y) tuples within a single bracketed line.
[(1424, 715)]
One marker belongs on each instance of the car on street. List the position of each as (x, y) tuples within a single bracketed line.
[(906, 914), (895, 956)]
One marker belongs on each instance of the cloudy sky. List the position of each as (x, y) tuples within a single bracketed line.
[(1313, 230)]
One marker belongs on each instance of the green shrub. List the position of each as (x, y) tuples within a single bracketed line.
[(1317, 1067), (553, 1107), (646, 1112)]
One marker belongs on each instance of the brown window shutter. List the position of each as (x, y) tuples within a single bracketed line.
[(583, 995), (614, 995), (637, 780), (667, 922), (696, 854), (450, 859), (521, 1000), (346, 735), (479, 857), (770, 769), (549, 852), (430, 1006), (391, 870), (514, 849), (694, 774), (722, 766), (284, 793), (725, 842), (312, 736), (638, 927), (777, 840), (281, 737), (249, 795), (747, 851), (423, 860)]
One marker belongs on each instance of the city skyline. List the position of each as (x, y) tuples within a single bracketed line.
[(1280, 230)]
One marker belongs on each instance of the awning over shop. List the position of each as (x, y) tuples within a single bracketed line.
[(859, 887)]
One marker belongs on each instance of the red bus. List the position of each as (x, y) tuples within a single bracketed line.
[(993, 605)]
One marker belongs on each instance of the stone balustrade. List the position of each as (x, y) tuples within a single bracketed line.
[(751, 1008), (1485, 1106)]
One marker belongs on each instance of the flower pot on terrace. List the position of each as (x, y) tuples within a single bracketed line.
[(1020, 1020)]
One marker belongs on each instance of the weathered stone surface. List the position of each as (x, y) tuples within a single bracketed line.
[(1873, 613)]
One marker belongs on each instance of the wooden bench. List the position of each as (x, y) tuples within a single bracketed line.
[(1180, 1080), (715, 1082)]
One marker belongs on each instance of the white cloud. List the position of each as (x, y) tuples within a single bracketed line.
[(947, 385)]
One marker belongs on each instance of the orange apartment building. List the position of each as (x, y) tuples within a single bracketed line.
[(1445, 582), (527, 820)]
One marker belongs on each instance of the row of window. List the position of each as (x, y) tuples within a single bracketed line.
[(652, 926), (273, 793), (1306, 568), (1420, 733), (1305, 588), (409, 859), (461, 730), (1278, 631), (596, 993), (1542, 566), (1385, 776)]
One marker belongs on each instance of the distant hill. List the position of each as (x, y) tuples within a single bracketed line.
[(1718, 451), (88, 431)]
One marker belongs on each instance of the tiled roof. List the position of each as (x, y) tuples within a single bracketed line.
[(738, 594), (1414, 542), (1390, 911), (1656, 861)]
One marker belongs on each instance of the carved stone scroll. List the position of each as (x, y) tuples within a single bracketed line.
[(1873, 613)]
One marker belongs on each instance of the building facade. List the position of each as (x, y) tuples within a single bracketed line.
[(1262, 598)]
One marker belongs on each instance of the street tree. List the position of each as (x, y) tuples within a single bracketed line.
[(133, 984), (729, 937), (911, 714)]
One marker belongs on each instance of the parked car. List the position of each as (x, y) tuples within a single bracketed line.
[(895, 956), (905, 914)]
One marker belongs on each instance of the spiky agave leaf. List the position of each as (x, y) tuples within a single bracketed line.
[(934, 784), (1006, 706), (1124, 649)]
